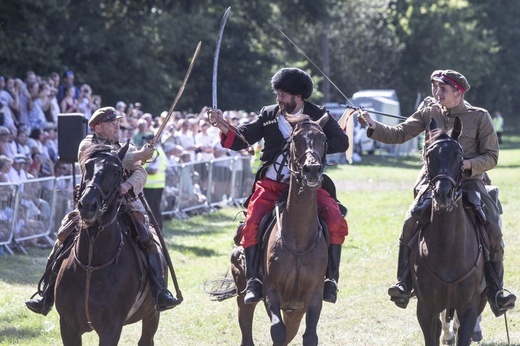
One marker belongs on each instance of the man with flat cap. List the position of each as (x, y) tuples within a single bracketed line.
[(105, 124), (293, 87), (480, 150)]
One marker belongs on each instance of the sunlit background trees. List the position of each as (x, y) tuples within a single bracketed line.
[(140, 50)]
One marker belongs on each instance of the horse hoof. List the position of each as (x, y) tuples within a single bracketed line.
[(450, 341)]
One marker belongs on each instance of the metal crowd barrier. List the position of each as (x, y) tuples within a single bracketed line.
[(31, 212)]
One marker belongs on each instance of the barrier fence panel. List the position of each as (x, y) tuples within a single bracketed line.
[(191, 197), (63, 201), (170, 196), (219, 191), (8, 206), (33, 211), (243, 179), (33, 218)]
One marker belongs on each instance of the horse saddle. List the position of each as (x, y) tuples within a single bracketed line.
[(421, 208), (269, 220)]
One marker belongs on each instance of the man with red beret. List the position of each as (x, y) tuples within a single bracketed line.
[(480, 155)]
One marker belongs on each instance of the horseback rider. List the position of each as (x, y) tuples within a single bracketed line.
[(480, 148), (293, 87), (105, 123)]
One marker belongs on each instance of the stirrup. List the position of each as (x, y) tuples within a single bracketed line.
[(500, 310), (169, 304), (253, 291), (39, 305), (330, 291), (399, 290), (399, 294)]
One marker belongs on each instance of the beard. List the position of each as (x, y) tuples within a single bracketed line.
[(290, 106)]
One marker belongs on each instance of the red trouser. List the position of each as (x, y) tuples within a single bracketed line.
[(266, 194)]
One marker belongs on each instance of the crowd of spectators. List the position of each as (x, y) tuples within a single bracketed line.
[(29, 109)]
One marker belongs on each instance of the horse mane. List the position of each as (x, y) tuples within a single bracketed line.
[(93, 150)]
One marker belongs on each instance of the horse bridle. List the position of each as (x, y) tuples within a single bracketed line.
[(295, 165), (106, 198), (456, 182)]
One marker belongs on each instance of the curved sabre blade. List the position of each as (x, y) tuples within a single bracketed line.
[(215, 58), (179, 94)]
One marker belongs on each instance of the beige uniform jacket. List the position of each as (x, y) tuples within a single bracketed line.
[(478, 139), (138, 174)]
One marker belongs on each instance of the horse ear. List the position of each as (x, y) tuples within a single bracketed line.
[(324, 119), (457, 128), (122, 152), (433, 124)]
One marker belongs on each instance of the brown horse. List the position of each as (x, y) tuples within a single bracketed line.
[(101, 286), (295, 254), (447, 264)]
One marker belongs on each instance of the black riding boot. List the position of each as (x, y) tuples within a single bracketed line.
[(330, 290), (42, 305), (500, 300), (254, 284), (164, 299), (400, 292)]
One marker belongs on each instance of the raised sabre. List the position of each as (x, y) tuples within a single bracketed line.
[(179, 94), (350, 105), (215, 57), (214, 83)]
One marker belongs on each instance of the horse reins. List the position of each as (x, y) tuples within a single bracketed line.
[(89, 269), (106, 200)]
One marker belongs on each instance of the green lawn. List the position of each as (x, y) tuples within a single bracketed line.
[(377, 192)]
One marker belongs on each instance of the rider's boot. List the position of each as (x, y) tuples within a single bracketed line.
[(330, 290), (42, 305), (400, 292), (500, 300), (254, 284), (163, 298)]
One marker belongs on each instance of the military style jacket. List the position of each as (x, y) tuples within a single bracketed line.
[(266, 127), (136, 173), (478, 138)]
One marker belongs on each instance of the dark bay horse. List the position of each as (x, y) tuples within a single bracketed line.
[(100, 286), (295, 253), (447, 264)]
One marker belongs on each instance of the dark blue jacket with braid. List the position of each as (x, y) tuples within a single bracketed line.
[(266, 127)]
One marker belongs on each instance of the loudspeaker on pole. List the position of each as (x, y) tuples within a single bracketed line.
[(72, 128)]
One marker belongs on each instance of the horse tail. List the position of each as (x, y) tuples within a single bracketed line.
[(221, 288)]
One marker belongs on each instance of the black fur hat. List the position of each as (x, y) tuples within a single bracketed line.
[(294, 81)]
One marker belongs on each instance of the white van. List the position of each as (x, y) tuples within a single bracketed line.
[(385, 101)]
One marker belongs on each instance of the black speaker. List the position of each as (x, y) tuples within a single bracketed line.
[(72, 128)]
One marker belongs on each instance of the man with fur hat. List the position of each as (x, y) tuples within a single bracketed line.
[(293, 87), (105, 124), (480, 150)]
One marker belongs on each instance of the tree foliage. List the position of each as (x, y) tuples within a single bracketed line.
[(139, 50)]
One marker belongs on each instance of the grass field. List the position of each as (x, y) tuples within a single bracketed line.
[(377, 192)]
